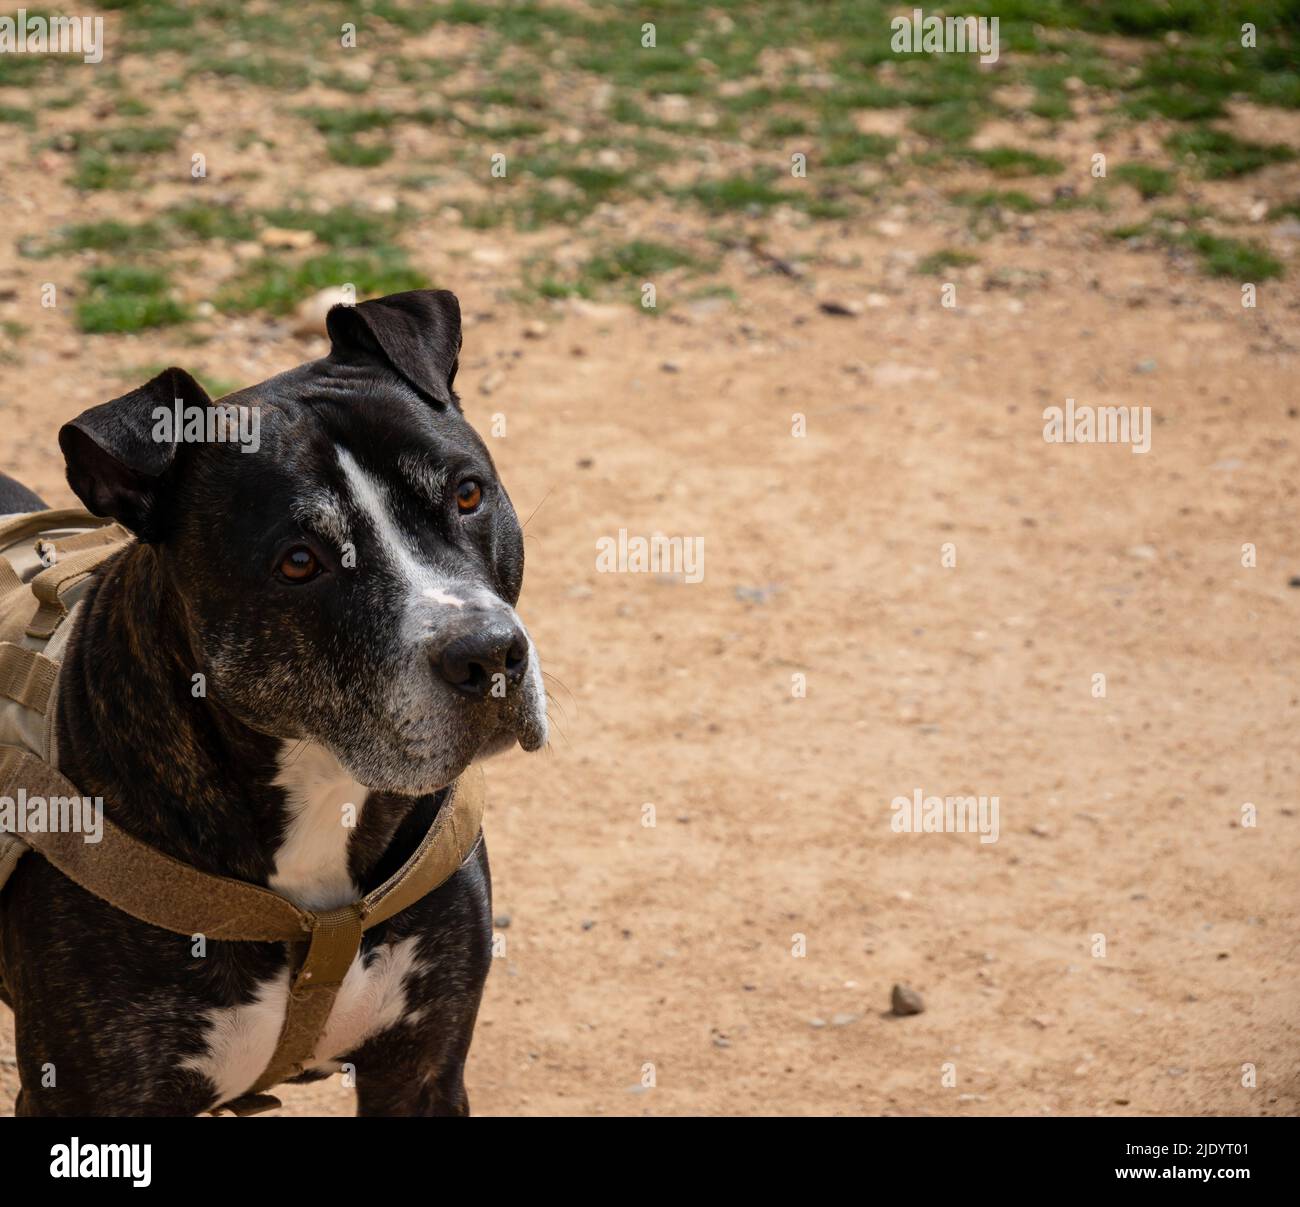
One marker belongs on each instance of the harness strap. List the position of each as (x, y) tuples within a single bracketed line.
[(147, 883), (154, 887), (92, 538), (26, 676), (50, 585), (448, 844), (33, 523), (9, 580), (335, 942), (336, 936)]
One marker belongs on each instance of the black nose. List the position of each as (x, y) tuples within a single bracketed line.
[(487, 661)]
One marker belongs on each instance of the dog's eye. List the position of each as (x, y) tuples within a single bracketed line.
[(469, 494), (299, 564)]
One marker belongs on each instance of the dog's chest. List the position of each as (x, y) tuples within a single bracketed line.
[(324, 805), (241, 1039)]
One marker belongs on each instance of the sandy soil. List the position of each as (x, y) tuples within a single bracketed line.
[(670, 948)]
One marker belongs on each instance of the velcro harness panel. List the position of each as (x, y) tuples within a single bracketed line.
[(41, 545), (151, 885)]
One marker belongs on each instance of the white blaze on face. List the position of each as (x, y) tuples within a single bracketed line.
[(426, 592), (424, 585)]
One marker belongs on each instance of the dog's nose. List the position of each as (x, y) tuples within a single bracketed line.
[(489, 660)]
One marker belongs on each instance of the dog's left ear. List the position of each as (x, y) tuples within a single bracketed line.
[(416, 333)]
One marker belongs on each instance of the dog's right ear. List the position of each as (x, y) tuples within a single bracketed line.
[(119, 453)]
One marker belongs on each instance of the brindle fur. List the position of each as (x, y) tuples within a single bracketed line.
[(114, 1006)]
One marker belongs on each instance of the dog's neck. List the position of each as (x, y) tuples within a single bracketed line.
[(180, 772)]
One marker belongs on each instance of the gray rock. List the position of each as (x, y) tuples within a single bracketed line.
[(904, 1000)]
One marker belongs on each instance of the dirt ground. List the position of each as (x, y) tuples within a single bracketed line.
[(671, 954)]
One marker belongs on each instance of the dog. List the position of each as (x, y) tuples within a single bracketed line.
[(327, 621)]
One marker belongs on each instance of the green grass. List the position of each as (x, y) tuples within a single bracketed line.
[(953, 123), (342, 226), (345, 83), (131, 106), (111, 235), (94, 170), (512, 85), (524, 200), (24, 70), (1096, 199), (1219, 255), (208, 220), (1149, 181), (786, 126), (937, 262), (136, 140), (1219, 155), (355, 154), (638, 261), (749, 193), (1011, 199), (1134, 230), (618, 270), (1011, 161), (348, 121), (1132, 18), (262, 71), (595, 182), (842, 149), (277, 284), (105, 159), (121, 299), (521, 89)]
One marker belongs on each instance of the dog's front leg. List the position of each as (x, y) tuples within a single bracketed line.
[(385, 1095)]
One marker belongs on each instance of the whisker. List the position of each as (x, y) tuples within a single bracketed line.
[(559, 682), (538, 508)]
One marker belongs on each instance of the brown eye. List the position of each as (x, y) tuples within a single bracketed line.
[(299, 564), (469, 494)]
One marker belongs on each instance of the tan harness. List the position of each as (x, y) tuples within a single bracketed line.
[(40, 586)]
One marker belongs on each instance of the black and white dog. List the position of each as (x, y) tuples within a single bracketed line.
[(324, 622)]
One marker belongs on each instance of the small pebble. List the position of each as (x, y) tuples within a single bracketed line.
[(905, 1001)]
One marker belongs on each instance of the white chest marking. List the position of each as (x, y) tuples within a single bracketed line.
[(241, 1039), (311, 869), (311, 864)]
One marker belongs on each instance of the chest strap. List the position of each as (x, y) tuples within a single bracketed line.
[(153, 887)]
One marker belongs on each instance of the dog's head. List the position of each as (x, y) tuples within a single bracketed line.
[(345, 558)]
